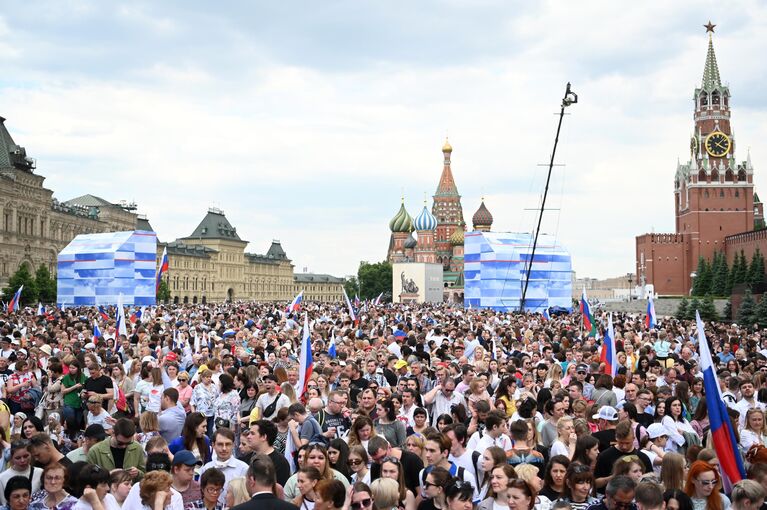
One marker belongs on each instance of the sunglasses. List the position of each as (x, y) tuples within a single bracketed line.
[(361, 504), (354, 462), (708, 482)]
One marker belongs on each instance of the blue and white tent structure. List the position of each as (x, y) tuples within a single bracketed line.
[(94, 269), (495, 265)]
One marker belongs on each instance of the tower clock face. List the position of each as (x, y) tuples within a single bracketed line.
[(717, 144)]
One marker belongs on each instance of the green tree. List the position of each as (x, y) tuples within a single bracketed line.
[(681, 310), (708, 309), (761, 312), (741, 275), (702, 284), (692, 308), (720, 274), (46, 285), (747, 309), (374, 279), (163, 293), (756, 268), (24, 277), (351, 286)]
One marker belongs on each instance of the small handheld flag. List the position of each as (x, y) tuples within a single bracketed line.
[(332, 346), (609, 355), (122, 327), (722, 432), (352, 315), (650, 320), (96, 330), (378, 299), (588, 321), (546, 315), (295, 305), (13, 304), (103, 313), (305, 361), (40, 309), (162, 269)]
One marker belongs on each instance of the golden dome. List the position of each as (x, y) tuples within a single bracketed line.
[(447, 147), (456, 239)]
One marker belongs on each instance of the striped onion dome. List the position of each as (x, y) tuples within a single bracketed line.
[(425, 220), (402, 222), (456, 238), (482, 218), (410, 242)]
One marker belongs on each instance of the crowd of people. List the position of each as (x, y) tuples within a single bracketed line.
[(407, 407)]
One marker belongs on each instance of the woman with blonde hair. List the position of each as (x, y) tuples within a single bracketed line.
[(237, 492), (150, 427), (391, 468), (287, 389), (566, 438), (414, 444), (754, 432), (554, 374), (385, 492), (672, 471)]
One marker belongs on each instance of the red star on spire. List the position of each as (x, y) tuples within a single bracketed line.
[(709, 27)]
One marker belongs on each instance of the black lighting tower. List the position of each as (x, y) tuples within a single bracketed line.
[(570, 98)]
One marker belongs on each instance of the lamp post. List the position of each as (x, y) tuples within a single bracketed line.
[(630, 278)]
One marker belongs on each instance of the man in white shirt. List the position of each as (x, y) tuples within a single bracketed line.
[(747, 401), (494, 435), (408, 405), (223, 445), (443, 396), (459, 455), (271, 395)]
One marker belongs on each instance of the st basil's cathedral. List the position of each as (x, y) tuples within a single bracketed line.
[(438, 233)]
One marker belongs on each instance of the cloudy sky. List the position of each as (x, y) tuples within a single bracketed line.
[(305, 121)]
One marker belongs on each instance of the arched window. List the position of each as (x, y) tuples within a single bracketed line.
[(729, 176), (721, 193), (714, 176), (742, 176)]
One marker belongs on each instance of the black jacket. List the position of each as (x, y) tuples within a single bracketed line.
[(265, 501)]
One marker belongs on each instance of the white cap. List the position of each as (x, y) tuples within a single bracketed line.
[(606, 413), (656, 430)]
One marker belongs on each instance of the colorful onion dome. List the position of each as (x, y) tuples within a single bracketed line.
[(482, 218), (456, 238), (447, 147), (402, 222), (410, 242), (425, 220)]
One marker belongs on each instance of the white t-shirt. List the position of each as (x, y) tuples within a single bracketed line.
[(109, 503), (559, 448), (133, 501), (481, 444), (150, 396)]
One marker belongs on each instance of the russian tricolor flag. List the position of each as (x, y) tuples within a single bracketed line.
[(305, 360), (546, 315), (609, 355), (122, 327), (332, 346), (103, 313), (295, 305), (163, 268), (650, 320), (96, 330), (40, 309), (135, 316), (356, 301), (721, 427), (588, 321), (13, 304), (378, 299), (352, 315)]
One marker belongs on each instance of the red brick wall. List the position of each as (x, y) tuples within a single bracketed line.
[(666, 260)]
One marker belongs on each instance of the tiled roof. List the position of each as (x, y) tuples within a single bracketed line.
[(215, 226), (316, 278)]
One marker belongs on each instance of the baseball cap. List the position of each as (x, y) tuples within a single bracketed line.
[(606, 413), (656, 430), (400, 364), (171, 356), (582, 368), (186, 458)]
